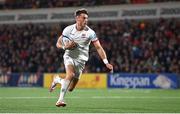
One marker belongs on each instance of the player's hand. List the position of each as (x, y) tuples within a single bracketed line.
[(71, 45), (110, 67)]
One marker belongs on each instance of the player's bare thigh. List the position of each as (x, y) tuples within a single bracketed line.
[(70, 72)]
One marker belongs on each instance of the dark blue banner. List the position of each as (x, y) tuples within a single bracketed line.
[(128, 80), (22, 80)]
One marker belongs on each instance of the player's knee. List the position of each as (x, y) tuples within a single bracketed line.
[(72, 74)]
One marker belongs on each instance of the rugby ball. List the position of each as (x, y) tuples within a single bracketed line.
[(65, 41)]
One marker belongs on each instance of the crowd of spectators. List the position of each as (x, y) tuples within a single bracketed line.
[(133, 46), (29, 4)]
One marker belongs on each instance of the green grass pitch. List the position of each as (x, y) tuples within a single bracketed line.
[(39, 100)]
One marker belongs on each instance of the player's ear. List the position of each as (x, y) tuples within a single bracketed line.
[(76, 18)]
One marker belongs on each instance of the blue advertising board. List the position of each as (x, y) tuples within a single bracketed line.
[(22, 80), (128, 80)]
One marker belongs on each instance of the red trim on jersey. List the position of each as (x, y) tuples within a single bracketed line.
[(95, 40)]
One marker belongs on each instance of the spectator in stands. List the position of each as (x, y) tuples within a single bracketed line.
[(155, 47), (34, 4)]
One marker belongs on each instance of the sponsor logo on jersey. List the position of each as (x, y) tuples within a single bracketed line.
[(83, 36)]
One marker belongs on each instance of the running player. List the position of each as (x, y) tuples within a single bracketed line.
[(76, 53)]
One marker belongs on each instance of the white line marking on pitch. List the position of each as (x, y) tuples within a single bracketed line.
[(96, 97), (133, 97)]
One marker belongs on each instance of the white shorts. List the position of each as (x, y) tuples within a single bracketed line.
[(78, 65)]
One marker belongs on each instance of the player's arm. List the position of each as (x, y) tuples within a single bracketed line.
[(59, 43), (102, 54)]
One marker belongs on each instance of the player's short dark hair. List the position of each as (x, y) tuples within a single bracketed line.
[(80, 11)]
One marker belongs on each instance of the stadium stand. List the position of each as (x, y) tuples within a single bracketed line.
[(138, 46), (34, 4)]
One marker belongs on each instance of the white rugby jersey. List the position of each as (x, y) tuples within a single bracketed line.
[(82, 38)]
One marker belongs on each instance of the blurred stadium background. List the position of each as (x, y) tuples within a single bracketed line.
[(141, 39)]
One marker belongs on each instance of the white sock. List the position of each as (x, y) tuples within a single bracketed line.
[(64, 87)]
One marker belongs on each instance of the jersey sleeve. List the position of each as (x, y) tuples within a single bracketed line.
[(93, 36), (66, 32)]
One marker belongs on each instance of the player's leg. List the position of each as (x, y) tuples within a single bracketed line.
[(57, 79), (73, 84), (79, 66), (70, 72), (73, 73)]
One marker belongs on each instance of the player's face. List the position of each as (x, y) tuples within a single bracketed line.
[(82, 19)]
